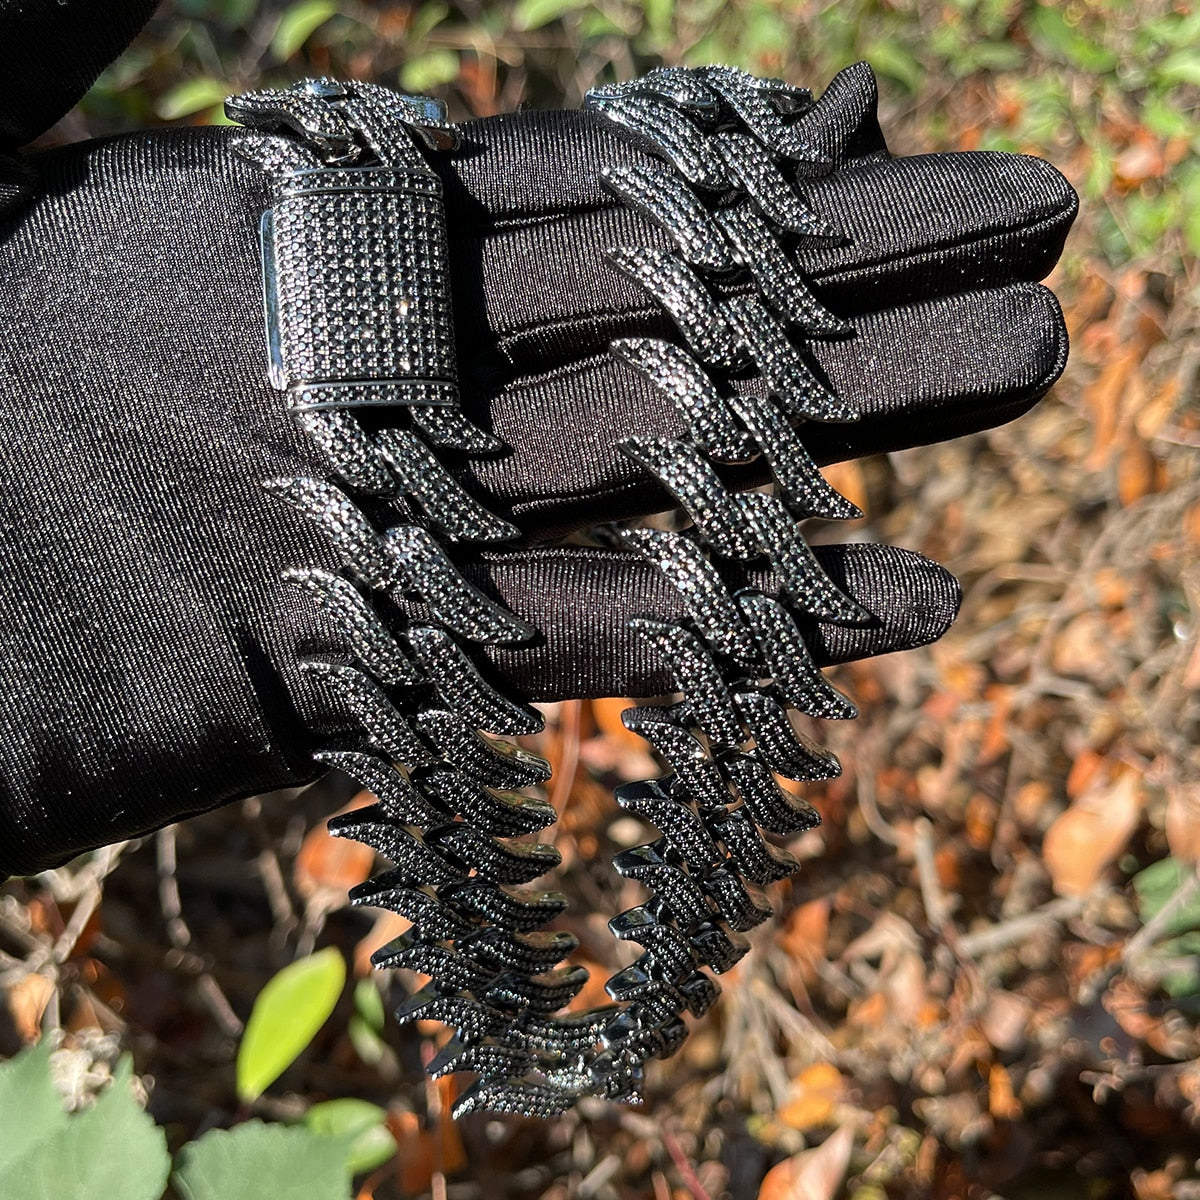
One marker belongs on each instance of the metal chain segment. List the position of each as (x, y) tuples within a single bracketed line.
[(445, 803)]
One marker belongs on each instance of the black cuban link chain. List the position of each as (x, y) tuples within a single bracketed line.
[(359, 316)]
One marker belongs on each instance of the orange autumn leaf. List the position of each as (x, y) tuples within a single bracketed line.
[(848, 478), (816, 1092), (1183, 821), (1138, 473), (1088, 835), (815, 1174), (803, 937), (607, 715), (27, 1001), (333, 863), (1002, 1101)]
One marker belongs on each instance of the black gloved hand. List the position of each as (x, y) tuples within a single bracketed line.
[(146, 641)]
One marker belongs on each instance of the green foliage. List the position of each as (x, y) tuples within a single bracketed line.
[(1180, 945), (191, 96), (533, 14), (428, 71), (358, 1125), (286, 1017), (298, 24), (256, 1160), (47, 1155), (365, 1029)]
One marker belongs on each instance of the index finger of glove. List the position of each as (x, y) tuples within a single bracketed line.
[(536, 292), (917, 374)]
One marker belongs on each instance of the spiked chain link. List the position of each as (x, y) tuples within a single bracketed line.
[(730, 155)]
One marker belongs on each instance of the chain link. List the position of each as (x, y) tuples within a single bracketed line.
[(732, 151)]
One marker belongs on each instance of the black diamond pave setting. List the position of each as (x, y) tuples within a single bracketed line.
[(358, 314)]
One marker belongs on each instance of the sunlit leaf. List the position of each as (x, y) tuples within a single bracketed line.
[(286, 1017), (255, 1160), (1155, 885), (298, 24), (191, 96), (533, 14), (363, 1126), (46, 1155), (429, 70), (894, 61), (1183, 66), (30, 1109), (368, 1003)]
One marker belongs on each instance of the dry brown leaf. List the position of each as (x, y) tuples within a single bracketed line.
[(332, 863), (815, 1174), (1104, 398), (848, 478), (1030, 802), (816, 1093), (387, 927), (803, 938), (607, 715), (1087, 836), (27, 1000), (1183, 821), (1082, 646), (996, 736), (1139, 162), (1005, 1020), (1138, 473), (420, 1151), (1002, 1102)]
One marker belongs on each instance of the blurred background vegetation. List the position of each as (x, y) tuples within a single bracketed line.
[(985, 981)]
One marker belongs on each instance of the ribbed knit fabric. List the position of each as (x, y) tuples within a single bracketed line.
[(146, 642)]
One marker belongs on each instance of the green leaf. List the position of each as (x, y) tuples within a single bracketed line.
[(533, 14), (1183, 66), (659, 19), (896, 62), (1155, 885), (1181, 978), (257, 1160), (1058, 38), (361, 1124), (286, 1017), (30, 1108), (1165, 119), (429, 70), (74, 1159), (191, 96), (368, 1003), (298, 24), (426, 19)]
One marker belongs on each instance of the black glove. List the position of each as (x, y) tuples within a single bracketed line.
[(147, 643)]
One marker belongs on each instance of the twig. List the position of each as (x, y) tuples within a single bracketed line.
[(687, 1173), (433, 1106), (180, 935), (92, 878), (1015, 929), (571, 714), (868, 801), (599, 1176), (937, 907)]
